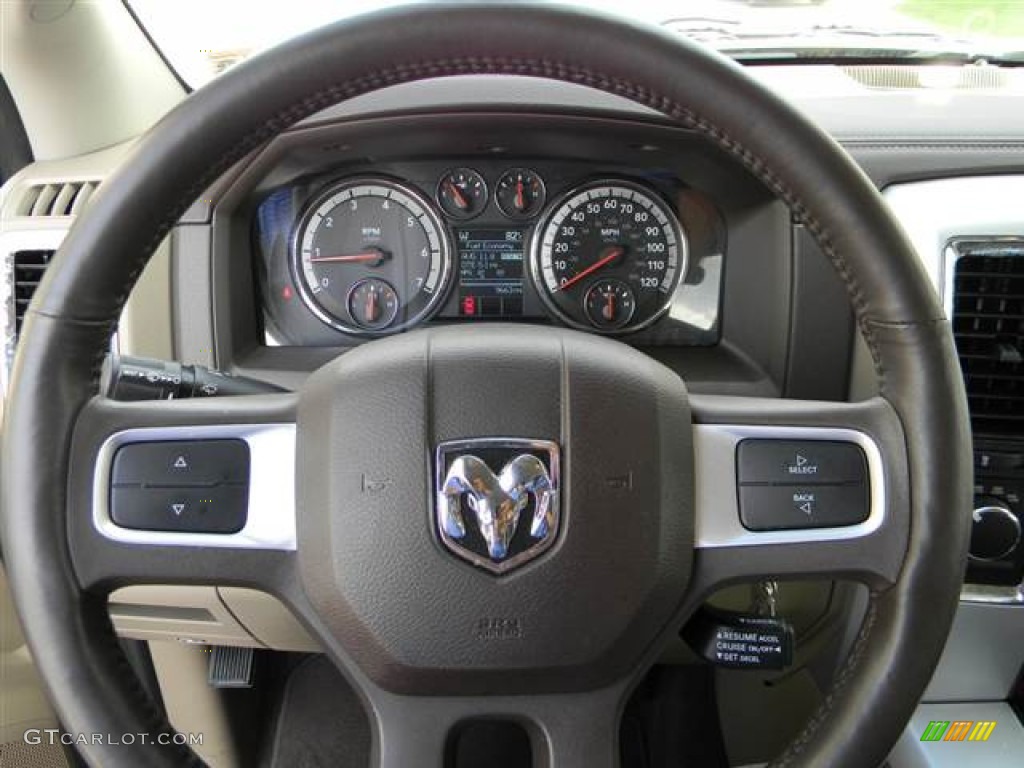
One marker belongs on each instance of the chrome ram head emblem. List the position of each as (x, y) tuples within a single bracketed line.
[(497, 521)]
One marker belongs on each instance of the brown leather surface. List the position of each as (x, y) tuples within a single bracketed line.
[(905, 630), (81, 296)]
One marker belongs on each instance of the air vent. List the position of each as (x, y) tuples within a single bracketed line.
[(910, 77), (28, 267), (988, 324), (63, 199)]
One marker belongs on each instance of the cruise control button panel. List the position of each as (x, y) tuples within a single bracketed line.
[(797, 484), (195, 486)]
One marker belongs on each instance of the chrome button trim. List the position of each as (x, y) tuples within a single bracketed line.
[(933, 214), (718, 516), (270, 523), (992, 594)]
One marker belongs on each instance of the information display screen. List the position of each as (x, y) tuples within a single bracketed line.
[(491, 272)]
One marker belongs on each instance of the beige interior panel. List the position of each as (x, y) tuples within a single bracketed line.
[(82, 74), (145, 327), (267, 620), (193, 707), (185, 614), (23, 704)]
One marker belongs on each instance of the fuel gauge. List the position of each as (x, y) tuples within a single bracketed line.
[(609, 304), (520, 193), (373, 304)]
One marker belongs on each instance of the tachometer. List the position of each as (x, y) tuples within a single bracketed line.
[(370, 256), (608, 257)]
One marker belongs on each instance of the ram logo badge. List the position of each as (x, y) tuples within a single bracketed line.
[(497, 500)]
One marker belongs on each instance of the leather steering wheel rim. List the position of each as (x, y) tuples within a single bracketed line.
[(79, 302)]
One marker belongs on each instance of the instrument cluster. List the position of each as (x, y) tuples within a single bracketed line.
[(379, 250)]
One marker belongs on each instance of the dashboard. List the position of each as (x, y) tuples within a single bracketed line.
[(674, 249), (375, 249), (345, 229)]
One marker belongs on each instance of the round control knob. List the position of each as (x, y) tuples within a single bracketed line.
[(995, 532)]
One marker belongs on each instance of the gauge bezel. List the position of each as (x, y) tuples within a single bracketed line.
[(514, 215), (537, 241), (433, 304), (439, 201), (585, 300), (355, 287)]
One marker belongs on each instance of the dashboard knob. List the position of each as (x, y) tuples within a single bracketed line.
[(996, 531)]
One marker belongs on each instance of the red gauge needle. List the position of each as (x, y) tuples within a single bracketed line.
[(610, 255), (609, 307), (366, 256), (460, 199), (372, 308), (520, 201)]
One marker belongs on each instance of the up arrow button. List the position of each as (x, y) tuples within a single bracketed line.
[(182, 463)]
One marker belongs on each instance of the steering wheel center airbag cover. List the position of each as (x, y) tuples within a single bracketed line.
[(577, 615)]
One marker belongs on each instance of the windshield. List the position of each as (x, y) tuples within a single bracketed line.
[(202, 38)]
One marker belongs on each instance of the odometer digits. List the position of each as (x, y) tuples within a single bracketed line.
[(609, 234)]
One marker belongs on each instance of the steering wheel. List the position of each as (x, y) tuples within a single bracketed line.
[(427, 639)]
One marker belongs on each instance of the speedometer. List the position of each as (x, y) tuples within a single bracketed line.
[(608, 257), (370, 256)]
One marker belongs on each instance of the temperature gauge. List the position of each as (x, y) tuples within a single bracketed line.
[(462, 193), (373, 304), (609, 304), (520, 193)]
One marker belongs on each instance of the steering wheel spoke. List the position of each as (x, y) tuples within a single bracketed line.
[(564, 730), (189, 491), (795, 489)]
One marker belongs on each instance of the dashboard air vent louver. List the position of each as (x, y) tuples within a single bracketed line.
[(28, 267), (913, 77), (988, 324), (60, 199)]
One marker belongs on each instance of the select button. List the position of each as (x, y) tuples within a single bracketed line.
[(800, 461)]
